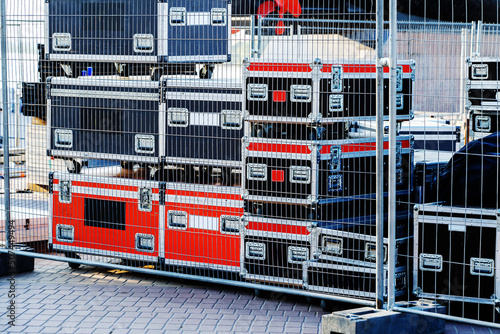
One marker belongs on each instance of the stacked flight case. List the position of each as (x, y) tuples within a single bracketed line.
[(130, 37), (456, 259), (185, 132), (483, 96), (309, 189)]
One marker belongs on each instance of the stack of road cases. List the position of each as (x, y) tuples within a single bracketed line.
[(483, 96), (130, 37), (308, 188), (182, 208)]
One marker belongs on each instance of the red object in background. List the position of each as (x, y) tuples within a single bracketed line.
[(283, 6), (279, 96), (278, 175)]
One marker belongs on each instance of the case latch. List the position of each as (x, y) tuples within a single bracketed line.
[(145, 199), (65, 191), (337, 84)]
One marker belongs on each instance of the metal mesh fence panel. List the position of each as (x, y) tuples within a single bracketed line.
[(236, 143)]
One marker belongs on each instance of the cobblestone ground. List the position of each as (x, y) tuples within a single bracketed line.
[(57, 299)]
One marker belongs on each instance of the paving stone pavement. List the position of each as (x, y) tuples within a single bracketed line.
[(57, 299)]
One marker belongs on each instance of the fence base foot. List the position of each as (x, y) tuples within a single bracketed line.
[(11, 263), (367, 320)]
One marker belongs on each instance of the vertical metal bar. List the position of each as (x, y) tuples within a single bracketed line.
[(463, 97), (391, 252), (259, 35), (6, 180), (479, 38), (472, 37), (380, 156)]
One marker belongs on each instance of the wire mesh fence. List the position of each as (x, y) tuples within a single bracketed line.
[(206, 140)]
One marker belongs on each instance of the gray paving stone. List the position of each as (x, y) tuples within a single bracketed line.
[(49, 329), (291, 314), (310, 330), (155, 331), (275, 313), (206, 322), (258, 329)]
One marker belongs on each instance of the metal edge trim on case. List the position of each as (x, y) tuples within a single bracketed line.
[(279, 235), (203, 188), (206, 162), (96, 94), (103, 180), (184, 84), (481, 85), (162, 33), (204, 265), (229, 30), (109, 192), (487, 218), (187, 96), (50, 240), (103, 58), (161, 231), (47, 30), (274, 279), (96, 82), (104, 156), (48, 136), (184, 59), (278, 221), (162, 129), (433, 296), (272, 199), (100, 252)]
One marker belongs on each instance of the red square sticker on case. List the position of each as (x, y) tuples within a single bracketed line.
[(278, 176), (279, 96)]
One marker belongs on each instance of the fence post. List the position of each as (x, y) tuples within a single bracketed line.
[(391, 252), (3, 57), (381, 62)]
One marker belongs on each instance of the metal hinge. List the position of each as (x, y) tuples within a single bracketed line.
[(412, 67), (399, 78), (51, 183), (49, 86), (162, 189)]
